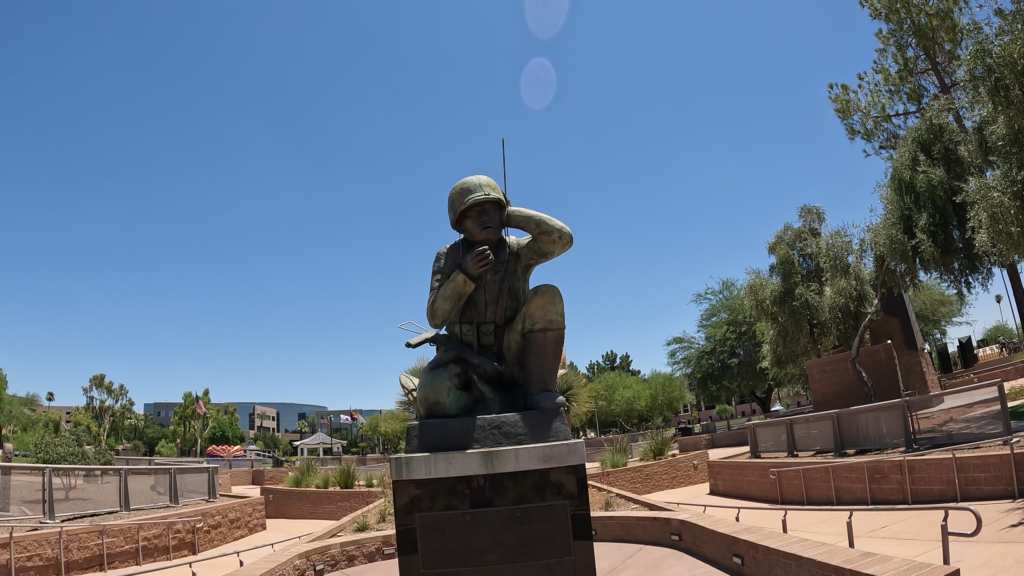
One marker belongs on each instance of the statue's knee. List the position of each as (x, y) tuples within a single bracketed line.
[(544, 309), (545, 295), (438, 394)]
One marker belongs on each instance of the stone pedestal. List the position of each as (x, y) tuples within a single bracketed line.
[(498, 510)]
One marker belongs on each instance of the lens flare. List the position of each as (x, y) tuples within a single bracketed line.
[(546, 17), (537, 84)]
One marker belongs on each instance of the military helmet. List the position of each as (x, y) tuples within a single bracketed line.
[(473, 190)]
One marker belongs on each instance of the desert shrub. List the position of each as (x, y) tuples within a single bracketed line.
[(345, 476), (368, 481), (362, 524), (293, 480), (617, 455), (323, 481), (304, 474), (659, 442), (609, 503)]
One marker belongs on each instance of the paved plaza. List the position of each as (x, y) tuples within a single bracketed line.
[(910, 535), (613, 559)]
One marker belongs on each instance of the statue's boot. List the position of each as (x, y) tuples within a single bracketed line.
[(542, 352)]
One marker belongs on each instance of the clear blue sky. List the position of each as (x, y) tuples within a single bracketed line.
[(248, 196)]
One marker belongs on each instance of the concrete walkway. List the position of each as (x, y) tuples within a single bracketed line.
[(613, 559), (912, 535)]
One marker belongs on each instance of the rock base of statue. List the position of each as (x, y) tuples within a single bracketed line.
[(508, 509)]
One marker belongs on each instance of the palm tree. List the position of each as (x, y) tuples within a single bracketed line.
[(302, 427), (50, 396), (578, 400), (999, 302), (262, 416)]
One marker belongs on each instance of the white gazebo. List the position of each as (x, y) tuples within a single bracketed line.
[(316, 443)]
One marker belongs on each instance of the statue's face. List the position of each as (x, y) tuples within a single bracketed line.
[(481, 223)]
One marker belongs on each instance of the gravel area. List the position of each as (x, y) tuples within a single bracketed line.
[(605, 502), (375, 525)]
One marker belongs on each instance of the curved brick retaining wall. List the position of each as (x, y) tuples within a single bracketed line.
[(313, 504), (984, 476), (679, 472), (38, 553)]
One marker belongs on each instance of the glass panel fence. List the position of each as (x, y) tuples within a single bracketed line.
[(21, 494), (149, 488), (957, 417), (772, 437), (82, 491), (193, 484), (875, 429), (814, 434)]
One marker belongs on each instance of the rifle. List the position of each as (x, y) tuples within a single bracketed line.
[(453, 349)]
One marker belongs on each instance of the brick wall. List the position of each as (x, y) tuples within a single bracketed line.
[(37, 553), (681, 471), (229, 478), (269, 476), (765, 552), (984, 476), (899, 325), (313, 504), (1007, 373), (834, 384)]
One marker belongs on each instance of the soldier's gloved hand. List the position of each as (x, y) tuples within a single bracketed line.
[(479, 261)]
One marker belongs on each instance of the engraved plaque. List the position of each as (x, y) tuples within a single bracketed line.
[(494, 537)]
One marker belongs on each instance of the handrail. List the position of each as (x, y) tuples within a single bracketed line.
[(1010, 441), (103, 536), (189, 563), (944, 528)]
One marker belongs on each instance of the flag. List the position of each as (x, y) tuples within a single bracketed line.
[(200, 408), (344, 419), (357, 417), (323, 420)]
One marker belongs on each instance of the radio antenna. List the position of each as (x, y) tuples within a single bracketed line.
[(504, 183)]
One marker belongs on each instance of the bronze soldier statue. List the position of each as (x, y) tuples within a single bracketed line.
[(480, 294)]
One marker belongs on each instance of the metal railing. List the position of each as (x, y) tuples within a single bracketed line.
[(946, 417), (100, 489), (943, 527), (238, 553), (103, 537), (1010, 440), (226, 463)]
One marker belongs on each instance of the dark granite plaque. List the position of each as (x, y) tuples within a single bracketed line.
[(527, 534), (552, 534)]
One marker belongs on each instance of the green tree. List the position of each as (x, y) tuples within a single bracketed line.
[(723, 359), (812, 297), (937, 310), (69, 447), (999, 330), (999, 302), (190, 425), (224, 429), (388, 426), (939, 65), (626, 402), (724, 411), (301, 427), (611, 362), (50, 397), (104, 402), (165, 449), (994, 77)]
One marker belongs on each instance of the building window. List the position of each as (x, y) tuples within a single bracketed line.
[(159, 413), (273, 418), (797, 403), (686, 409), (302, 416), (743, 412)]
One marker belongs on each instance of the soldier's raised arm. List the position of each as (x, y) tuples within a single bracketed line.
[(548, 237), (447, 293)]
